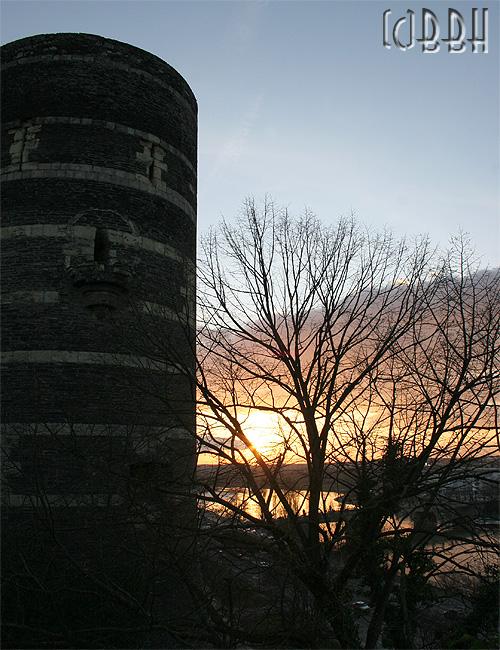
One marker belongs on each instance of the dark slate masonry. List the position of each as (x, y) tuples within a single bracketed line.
[(99, 168)]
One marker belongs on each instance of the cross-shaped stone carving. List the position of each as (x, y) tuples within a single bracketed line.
[(153, 155), (25, 139)]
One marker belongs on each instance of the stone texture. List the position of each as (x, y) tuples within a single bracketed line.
[(97, 134), (98, 191)]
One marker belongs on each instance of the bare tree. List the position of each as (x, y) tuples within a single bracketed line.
[(370, 363), (376, 360)]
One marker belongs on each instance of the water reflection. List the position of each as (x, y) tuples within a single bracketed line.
[(450, 555), (297, 499)]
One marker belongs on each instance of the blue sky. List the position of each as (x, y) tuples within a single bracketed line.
[(300, 100)]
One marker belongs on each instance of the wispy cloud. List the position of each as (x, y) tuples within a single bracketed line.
[(246, 24), (237, 142)]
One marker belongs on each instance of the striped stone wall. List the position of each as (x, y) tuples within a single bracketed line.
[(97, 136)]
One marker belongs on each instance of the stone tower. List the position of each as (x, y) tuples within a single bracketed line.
[(98, 260)]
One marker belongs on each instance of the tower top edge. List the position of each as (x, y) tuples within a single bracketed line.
[(81, 43)]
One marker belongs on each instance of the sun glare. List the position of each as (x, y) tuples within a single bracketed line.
[(262, 429)]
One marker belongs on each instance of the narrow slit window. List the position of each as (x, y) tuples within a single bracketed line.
[(151, 171), (102, 246)]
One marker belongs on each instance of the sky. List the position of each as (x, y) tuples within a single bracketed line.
[(301, 102)]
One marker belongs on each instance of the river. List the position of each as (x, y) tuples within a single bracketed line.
[(298, 499), (454, 555)]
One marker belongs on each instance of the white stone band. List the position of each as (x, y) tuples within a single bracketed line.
[(90, 358), (60, 500), (113, 126), (140, 433), (87, 233), (53, 298), (88, 58), (33, 297), (100, 175)]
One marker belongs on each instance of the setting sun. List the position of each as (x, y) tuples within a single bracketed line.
[(262, 428)]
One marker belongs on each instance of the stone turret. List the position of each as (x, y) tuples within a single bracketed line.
[(98, 269)]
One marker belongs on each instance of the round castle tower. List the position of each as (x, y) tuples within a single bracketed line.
[(98, 283)]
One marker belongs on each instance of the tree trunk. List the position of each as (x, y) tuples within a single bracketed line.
[(377, 621)]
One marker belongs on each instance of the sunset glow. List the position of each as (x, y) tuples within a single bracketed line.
[(262, 428)]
